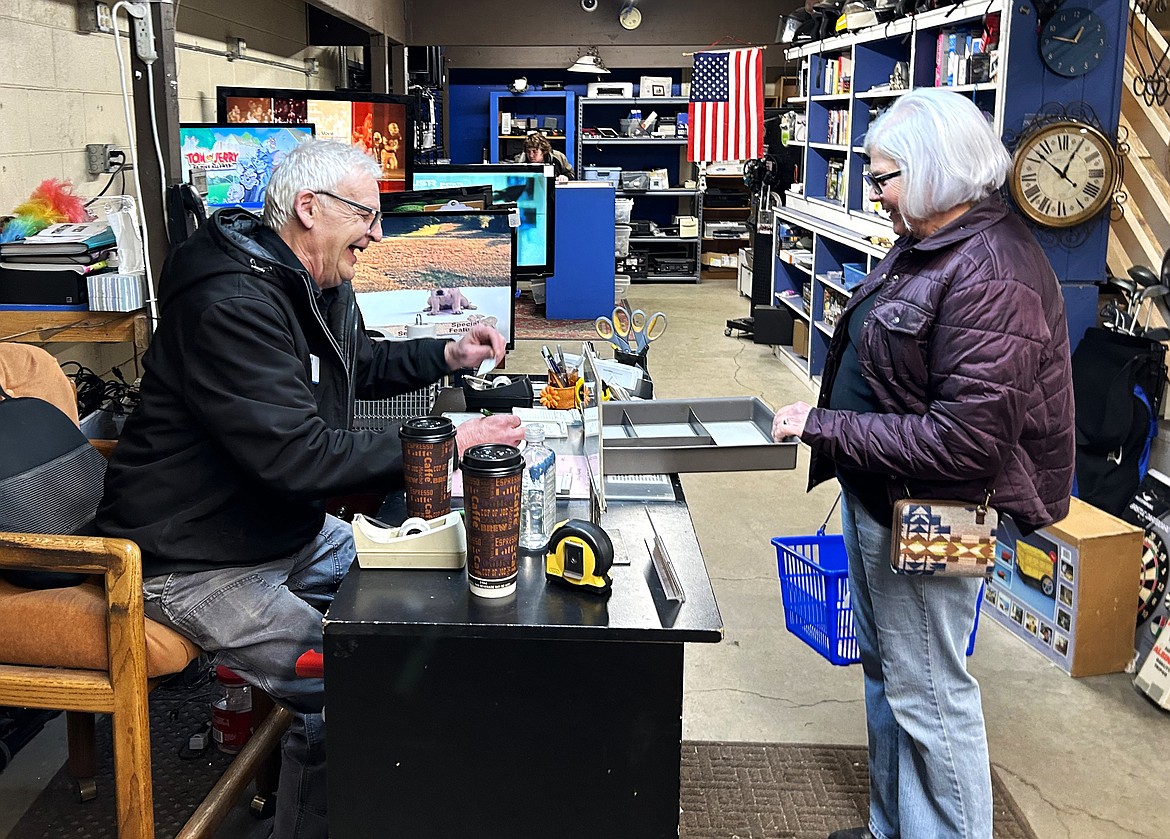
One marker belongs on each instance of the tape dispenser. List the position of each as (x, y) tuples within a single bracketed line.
[(580, 554), (439, 543)]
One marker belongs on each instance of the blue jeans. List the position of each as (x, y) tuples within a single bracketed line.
[(929, 772), (257, 621)]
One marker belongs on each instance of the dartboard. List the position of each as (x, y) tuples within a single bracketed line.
[(1155, 570)]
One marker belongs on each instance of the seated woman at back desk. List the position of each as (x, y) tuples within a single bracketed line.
[(537, 149)]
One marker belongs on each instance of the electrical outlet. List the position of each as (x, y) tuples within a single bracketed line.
[(94, 17), (97, 158)]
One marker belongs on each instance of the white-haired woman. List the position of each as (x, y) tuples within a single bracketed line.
[(948, 375)]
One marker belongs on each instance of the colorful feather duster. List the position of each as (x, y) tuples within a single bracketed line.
[(51, 202)]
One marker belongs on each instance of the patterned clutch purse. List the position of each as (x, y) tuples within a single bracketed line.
[(943, 537)]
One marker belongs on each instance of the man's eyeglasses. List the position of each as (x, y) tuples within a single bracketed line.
[(876, 181), (375, 215)]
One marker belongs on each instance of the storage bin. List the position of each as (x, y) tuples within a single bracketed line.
[(854, 274), (622, 208), (621, 285), (814, 586), (612, 174), (635, 180), (621, 240)]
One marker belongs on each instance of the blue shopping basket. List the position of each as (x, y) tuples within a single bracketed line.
[(814, 584)]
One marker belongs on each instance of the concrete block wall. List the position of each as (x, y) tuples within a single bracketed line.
[(59, 90)]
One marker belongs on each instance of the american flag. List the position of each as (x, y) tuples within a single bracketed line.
[(727, 106)]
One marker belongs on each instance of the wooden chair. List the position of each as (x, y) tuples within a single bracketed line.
[(89, 649)]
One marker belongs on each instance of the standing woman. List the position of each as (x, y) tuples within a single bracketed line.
[(947, 376)]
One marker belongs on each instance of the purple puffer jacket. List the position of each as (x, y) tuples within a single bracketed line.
[(967, 351)]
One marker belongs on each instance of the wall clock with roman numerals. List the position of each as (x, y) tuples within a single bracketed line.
[(1063, 173)]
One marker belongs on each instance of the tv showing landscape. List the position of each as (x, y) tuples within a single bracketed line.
[(445, 271)]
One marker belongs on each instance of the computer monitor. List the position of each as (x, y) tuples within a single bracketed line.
[(430, 200), (528, 185), (238, 160), (380, 124), (447, 270)]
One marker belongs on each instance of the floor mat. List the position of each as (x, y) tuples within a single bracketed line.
[(531, 324), (791, 791), (729, 790)]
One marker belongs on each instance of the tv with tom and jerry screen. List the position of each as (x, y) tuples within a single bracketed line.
[(238, 160)]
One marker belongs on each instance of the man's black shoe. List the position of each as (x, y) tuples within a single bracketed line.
[(852, 833)]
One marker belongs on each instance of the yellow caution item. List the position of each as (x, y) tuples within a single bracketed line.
[(580, 554)]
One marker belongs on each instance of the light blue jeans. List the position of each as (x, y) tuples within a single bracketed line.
[(929, 772), (258, 621)]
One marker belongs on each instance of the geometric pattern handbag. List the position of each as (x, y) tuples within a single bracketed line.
[(954, 538)]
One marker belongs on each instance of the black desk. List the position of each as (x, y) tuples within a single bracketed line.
[(549, 713)]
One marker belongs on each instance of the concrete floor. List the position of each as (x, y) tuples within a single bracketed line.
[(1084, 758)]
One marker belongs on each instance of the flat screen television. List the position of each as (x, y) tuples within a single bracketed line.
[(380, 124), (430, 200), (530, 186), (238, 159), (449, 270)]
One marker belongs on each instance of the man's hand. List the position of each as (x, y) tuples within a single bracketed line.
[(497, 428), (469, 351)]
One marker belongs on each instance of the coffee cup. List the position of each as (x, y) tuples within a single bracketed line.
[(428, 462), (492, 475)]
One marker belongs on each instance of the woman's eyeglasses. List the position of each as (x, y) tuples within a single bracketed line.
[(876, 181), (375, 215)]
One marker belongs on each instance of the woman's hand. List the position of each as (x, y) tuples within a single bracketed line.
[(789, 421), (497, 428), (562, 179), (480, 343)]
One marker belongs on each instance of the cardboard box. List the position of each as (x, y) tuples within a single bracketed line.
[(654, 87), (1067, 590), (1153, 678), (800, 337)]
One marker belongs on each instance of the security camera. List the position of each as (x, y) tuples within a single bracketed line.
[(589, 5)]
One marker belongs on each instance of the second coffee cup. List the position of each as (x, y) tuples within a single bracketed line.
[(428, 462), (492, 476)]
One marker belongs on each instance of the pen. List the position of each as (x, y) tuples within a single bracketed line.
[(553, 372)]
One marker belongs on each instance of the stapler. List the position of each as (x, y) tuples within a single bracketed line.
[(439, 543)]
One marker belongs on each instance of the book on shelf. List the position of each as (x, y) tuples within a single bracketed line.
[(88, 258), (67, 238)]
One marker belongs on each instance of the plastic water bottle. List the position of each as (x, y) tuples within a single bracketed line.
[(231, 713), (538, 502)]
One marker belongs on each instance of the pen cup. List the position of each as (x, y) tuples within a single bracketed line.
[(492, 477), (428, 461), (562, 398)]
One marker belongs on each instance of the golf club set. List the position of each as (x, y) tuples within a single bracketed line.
[(1141, 290)]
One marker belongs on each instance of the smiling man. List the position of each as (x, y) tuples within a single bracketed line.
[(243, 431)]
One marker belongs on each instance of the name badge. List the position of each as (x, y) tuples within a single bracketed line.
[(315, 369)]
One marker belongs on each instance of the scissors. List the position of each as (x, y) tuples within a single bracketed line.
[(616, 329), (647, 329)]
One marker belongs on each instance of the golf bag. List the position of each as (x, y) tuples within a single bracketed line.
[(1118, 384)]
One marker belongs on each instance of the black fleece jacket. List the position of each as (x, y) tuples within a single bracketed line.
[(247, 399)]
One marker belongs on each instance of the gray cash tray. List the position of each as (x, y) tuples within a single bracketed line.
[(692, 435)]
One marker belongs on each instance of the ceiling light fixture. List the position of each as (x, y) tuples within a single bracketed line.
[(588, 62)]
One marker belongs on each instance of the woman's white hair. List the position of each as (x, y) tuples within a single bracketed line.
[(946, 148), (317, 165)]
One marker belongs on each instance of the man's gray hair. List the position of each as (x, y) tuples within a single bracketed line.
[(946, 148), (317, 165)]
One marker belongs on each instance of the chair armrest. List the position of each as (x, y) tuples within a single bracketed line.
[(106, 447), (78, 554)]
